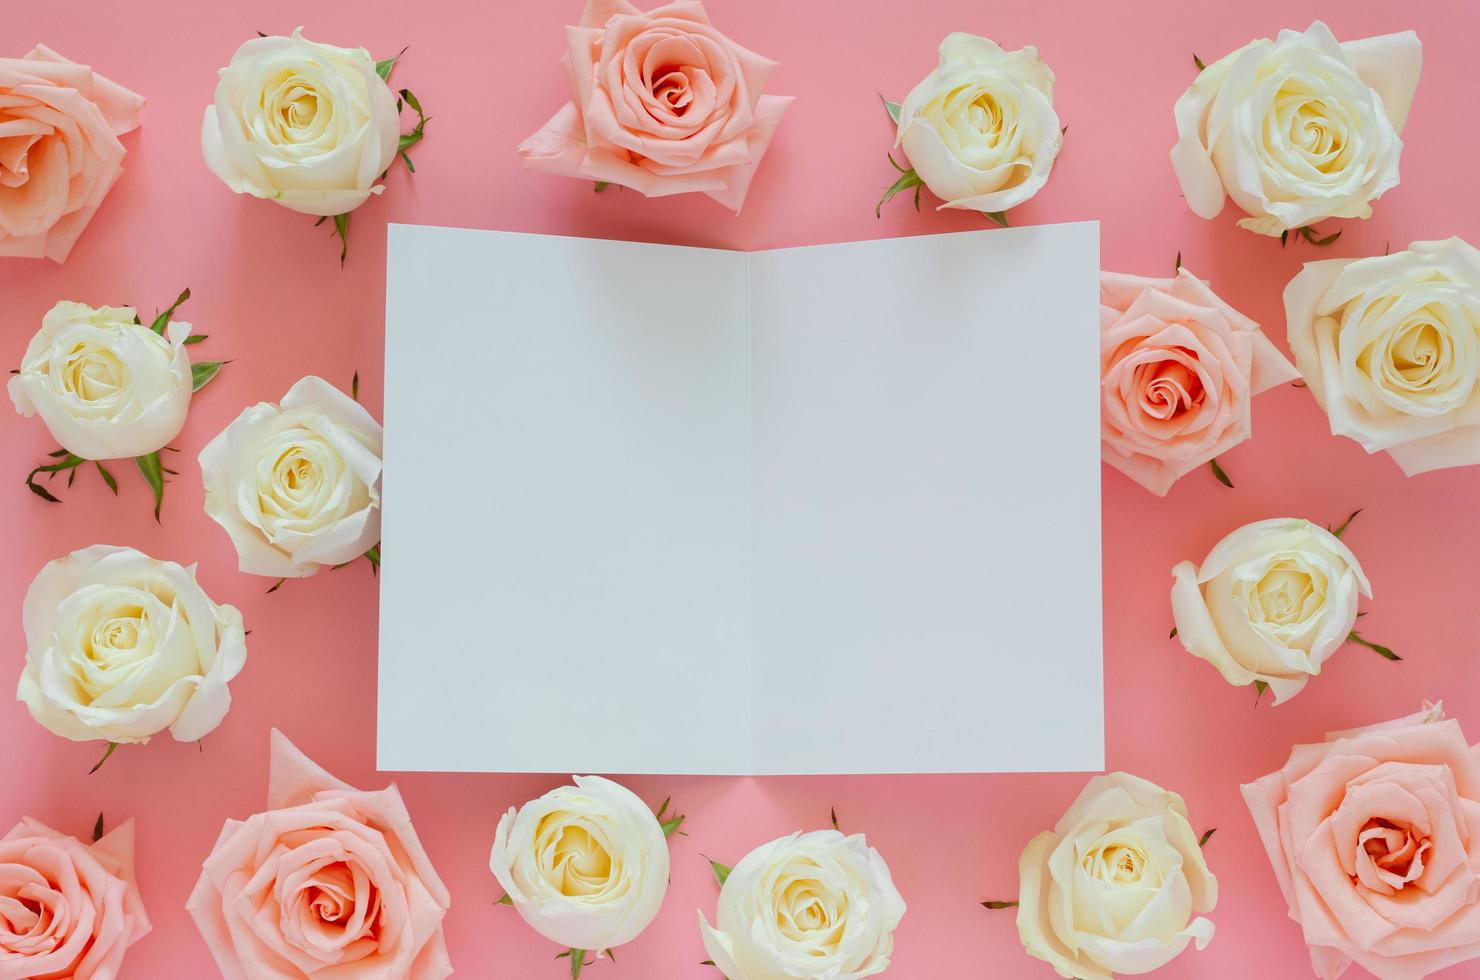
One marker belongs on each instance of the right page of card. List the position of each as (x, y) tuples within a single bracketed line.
[(925, 562)]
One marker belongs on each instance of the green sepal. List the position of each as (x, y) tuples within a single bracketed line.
[(999, 905), (153, 471), (1218, 472), (163, 320), (721, 871), (201, 373), (107, 754), (97, 833), (907, 179)]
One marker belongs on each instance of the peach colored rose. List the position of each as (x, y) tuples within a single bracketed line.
[(1374, 836), (663, 103), (1178, 369), (67, 909), (330, 882), (59, 150)]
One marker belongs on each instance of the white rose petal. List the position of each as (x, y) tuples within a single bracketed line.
[(1297, 129), (1271, 602), (308, 125), (120, 646), (1118, 886), (981, 130), (297, 485), (1390, 348), (585, 865), (817, 905), (106, 387)]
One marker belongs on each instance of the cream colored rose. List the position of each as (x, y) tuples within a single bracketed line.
[(1115, 886), (981, 130), (106, 387), (308, 125), (297, 484), (1271, 602), (120, 647), (1390, 347), (1297, 129), (806, 906), (585, 865)]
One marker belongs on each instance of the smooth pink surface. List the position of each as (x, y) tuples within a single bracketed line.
[(269, 291)]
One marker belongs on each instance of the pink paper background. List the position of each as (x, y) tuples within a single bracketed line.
[(269, 291)]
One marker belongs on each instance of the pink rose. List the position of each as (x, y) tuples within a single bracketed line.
[(1178, 368), (59, 150), (663, 103), (329, 882), (67, 909), (1375, 840)]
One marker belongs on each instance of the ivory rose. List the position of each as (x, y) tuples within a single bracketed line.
[(585, 865), (980, 130), (662, 102), (1297, 129), (106, 386), (1271, 602), (1390, 348), (805, 907), (1118, 886), (297, 484), (1374, 837), (120, 646), (59, 150), (67, 909), (1178, 370), (328, 882), (307, 125)]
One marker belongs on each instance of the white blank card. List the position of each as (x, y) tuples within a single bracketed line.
[(659, 509)]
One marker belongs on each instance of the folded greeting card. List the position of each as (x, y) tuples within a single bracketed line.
[(831, 509)]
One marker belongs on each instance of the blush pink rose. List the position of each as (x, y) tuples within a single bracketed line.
[(1374, 836), (663, 103), (1178, 370), (329, 883), (59, 150), (67, 909)]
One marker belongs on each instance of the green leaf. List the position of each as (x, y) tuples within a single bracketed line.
[(721, 872), (107, 477), (341, 228), (275, 586), (384, 68), (1376, 648), (201, 373), (153, 472), (1347, 523), (1198, 61), (998, 216), (162, 320), (1314, 237), (1259, 688), (418, 132), (98, 829), (907, 179), (107, 754), (196, 338), (1207, 835), (999, 905), (1218, 472), (602, 185), (892, 108), (506, 900)]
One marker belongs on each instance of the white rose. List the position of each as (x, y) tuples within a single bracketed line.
[(585, 865), (1271, 602), (106, 387), (307, 125), (297, 485), (1390, 347), (1113, 888), (120, 647), (806, 906), (980, 130), (1297, 129)]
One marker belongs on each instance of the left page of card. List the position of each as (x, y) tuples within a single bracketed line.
[(605, 588)]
